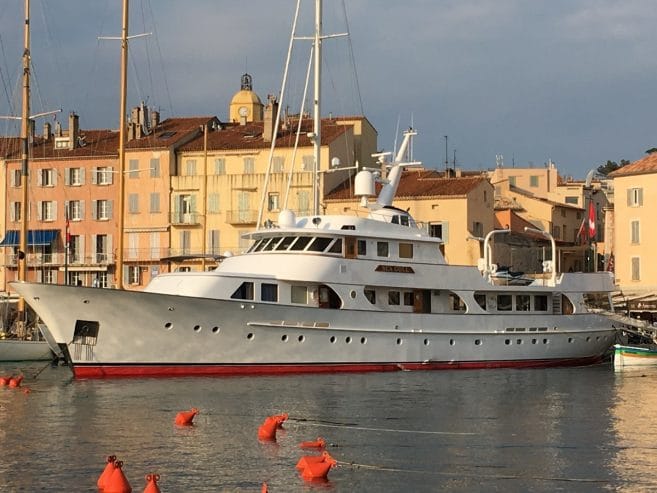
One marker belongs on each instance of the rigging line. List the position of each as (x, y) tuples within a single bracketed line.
[(5, 82), (148, 53), (352, 58), (159, 51), (95, 59), (135, 76), (392, 430), (52, 45), (298, 134), (278, 114)]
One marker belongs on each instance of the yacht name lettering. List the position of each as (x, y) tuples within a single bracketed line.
[(402, 269)]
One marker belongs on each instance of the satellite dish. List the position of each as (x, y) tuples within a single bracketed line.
[(589, 178)]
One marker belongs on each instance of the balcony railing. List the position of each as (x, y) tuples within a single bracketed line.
[(185, 218), (247, 216)]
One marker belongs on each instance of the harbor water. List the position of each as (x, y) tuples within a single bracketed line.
[(571, 429)]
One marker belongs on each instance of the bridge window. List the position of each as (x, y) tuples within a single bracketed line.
[(370, 294), (540, 303), (299, 294), (382, 248), (393, 297), (319, 245), (406, 250), (504, 302), (301, 243), (244, 292), (522, 302), (269, 292)]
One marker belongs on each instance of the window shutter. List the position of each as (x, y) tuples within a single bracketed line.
[(94, 247), (54, 210), (110, 250), (94, 209), (54, 177), (110, 175), (126, 275), (81, 252), (67, 176), (640, 196), (82, 176), (12, 211), (39, 174), (109, 209), (445, 232), (193, 203), (94, 175), (81, 209), (39, 210)]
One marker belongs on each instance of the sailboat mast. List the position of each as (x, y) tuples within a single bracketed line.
[(317, 122), (25, 123), (124, 90)]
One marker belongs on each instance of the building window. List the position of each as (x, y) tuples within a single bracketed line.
[(220, 166), (155, 245), (512, 181), (272, 201), (249, 165), (133, 168), (74, 210), (102, 249), (133, 203), (213, 241), (50, 276), (74, 177), (382, 248), (636, 269), (635, 232), (46, 210), (277, 164), (47, 177), (269, 292), (406, 250), (303, 202), (134, 275), (308, 163), (16, 178), (213, 203), (533, 181), (102, 210), (186, 242), (190, 167), (477, 229), (556, 232), (299, 294), (155, 202), (155, 167), (133, 245), (572, 200), (635, 197), (15, 211), (103, 175)]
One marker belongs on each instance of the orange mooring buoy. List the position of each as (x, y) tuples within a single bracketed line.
[(4, 380), (117, 482), (151, 483), (318, 470), (319, 443), (280, 419), (267, 430), (264, 488), (309, 459), (185, 418), (16, 381), (107, 472)]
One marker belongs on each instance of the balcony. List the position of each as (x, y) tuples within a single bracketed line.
[(185, 218), (246, 216)]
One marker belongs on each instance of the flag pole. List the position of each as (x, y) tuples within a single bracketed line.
[(68, 241)]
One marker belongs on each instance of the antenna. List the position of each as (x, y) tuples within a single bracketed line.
[(499, 161), (446, 158)]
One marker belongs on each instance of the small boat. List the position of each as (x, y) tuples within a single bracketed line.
[(640, 355)]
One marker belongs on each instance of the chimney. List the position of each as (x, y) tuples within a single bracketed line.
[(134, 128), (155, 118), (73, 130), (58, 129), (269, 118), (144, 120), (47, 134)]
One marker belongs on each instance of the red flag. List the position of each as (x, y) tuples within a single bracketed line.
[(581, 232), (591, 221)]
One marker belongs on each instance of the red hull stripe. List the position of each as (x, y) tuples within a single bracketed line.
[(184, 370)]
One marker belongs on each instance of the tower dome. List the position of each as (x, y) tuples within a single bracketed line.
[(245, 105)]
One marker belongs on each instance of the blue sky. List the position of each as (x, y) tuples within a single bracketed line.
[(568, 80)]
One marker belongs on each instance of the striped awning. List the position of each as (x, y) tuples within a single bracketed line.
[(35, 237)]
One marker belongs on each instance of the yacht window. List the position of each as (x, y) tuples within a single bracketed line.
[(350, 227), (540, 303), (504, 302), (406, 250), (362, 247), (263, 244), (370, 294), (255, 246), (522, 302), (244, 292), (382, 248), (456, 303), (319, 245), (403, 220), (480, 298), (270, 246), (299, 294), (285, 243), (301, 243), (268, 292), (395, 220), (408, 298), (597, 300), (336, 247), (393, 297)]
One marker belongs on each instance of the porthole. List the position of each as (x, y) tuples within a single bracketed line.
[(507, 341), (301, 338), (249, 336), (347, 340), (197, 328), (168, 326), (332, 339), (426, 342), (588, 339), (518, 341), (533, 341), (545, 341), (477, 342), (363, 340), (451, 342), (353, 295), (284, 338), (215, 329), (570, 340), (399, 341)]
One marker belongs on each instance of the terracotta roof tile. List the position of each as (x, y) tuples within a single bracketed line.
[(418, 184), (643, 166), (172, 131)]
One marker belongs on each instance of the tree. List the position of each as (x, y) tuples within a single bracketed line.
[(651, 150), (609, 166)]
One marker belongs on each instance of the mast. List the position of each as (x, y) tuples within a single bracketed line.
[(317, 122), (25, 122), (124, 89)]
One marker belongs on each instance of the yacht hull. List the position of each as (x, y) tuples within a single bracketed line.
[(114, 333)]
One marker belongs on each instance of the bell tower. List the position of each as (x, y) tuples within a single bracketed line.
[(246, 105)]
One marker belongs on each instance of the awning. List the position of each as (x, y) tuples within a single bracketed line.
[(35, 237)]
